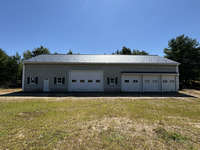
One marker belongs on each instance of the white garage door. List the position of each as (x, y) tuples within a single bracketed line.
[(81, 80), (150, 83), (168, 83), (130, 83)]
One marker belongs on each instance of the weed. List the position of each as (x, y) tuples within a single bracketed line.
[(112, 136), (167, 135)]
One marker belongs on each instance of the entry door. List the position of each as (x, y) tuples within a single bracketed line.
[(46, 84), (150, 83)]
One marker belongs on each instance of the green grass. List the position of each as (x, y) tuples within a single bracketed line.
[(99, 123), (166, 135)]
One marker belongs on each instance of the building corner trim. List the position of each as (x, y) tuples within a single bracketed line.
[(23, 77)]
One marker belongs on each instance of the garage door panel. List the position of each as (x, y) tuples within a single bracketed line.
[(86, 81), (168, 83), (150, 83), (131, 83)]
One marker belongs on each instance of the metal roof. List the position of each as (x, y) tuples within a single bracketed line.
[(100, 59)]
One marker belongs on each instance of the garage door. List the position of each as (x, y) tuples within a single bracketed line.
[(168, 83), (130, 83), (150, 83), (86, 80)]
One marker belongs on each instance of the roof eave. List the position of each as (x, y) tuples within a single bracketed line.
[(42, 62)]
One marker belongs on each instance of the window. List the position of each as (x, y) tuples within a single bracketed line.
[(90, 81), (112, 80), (146, 81), (33, 80), (126, 81), (82, 81), (59, 80), (135, 81), (164, 81), (171, 81), (73, 80), (98, 81), (154, 81)]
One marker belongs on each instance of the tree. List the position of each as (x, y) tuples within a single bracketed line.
[(117, 52), (37, 51), (3, 66), (137, 52), (124, 51), (127, 51), (186, 51), (40, 50), (70, 52), (27, 54), (14, 68), (11, 69)]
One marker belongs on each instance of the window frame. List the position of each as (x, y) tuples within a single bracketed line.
[(90, 81), (135, 81), (31, 80), (165, 81), (98, 81), (74, 81), (113, 80), (60, 80), (82, 81), (126, 81), (154, 81)]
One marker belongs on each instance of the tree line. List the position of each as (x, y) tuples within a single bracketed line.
[(182, 49)]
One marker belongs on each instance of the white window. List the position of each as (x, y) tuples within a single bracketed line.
[(32, 80), (146, 81), (112, 80), (59, 80), (171, 81), (154, 81), (164, 81)]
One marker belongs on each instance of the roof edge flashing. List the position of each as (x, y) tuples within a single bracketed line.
[(133, 63)]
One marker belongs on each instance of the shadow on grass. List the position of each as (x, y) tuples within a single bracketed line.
[(94, 94)]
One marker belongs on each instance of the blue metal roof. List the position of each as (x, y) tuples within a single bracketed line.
[(100, 59)]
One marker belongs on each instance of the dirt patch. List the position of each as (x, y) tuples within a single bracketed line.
[(123, 129), (197, 125), (121, 124), (192, 92)]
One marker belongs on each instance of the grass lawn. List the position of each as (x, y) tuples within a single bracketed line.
[(99, 122)]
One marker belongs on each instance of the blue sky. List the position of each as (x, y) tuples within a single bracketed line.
[(96, 26)]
